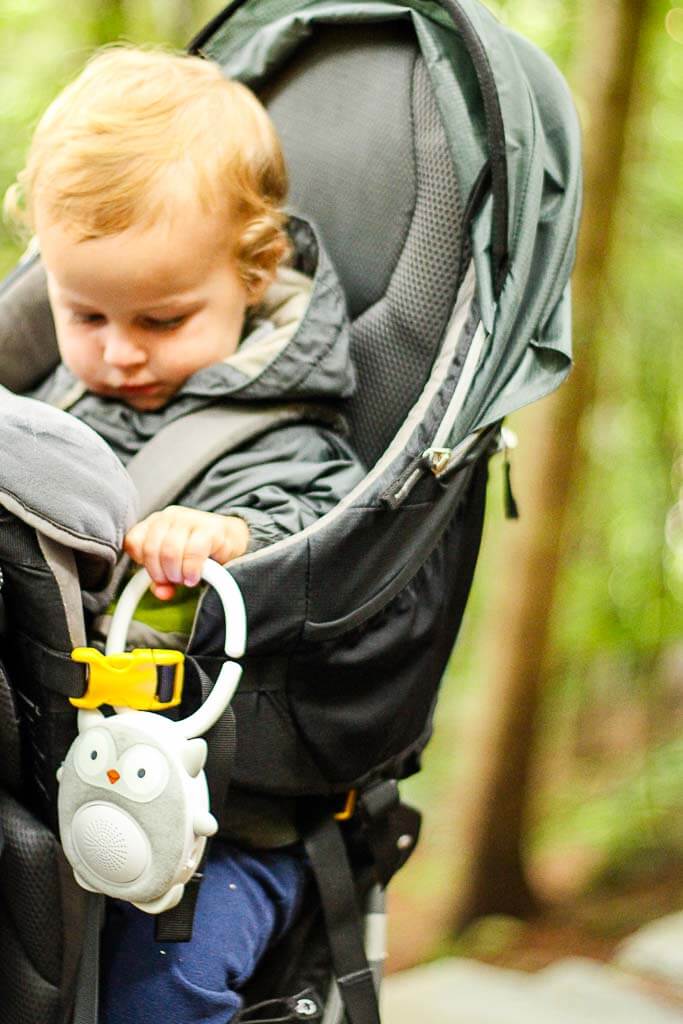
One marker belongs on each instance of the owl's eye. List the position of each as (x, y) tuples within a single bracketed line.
[(144, 771), (94, 753)]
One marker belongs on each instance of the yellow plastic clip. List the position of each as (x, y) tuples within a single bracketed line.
[(349, 806), (144, 679)]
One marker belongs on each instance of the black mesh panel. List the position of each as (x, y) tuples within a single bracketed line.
[(31, 935)]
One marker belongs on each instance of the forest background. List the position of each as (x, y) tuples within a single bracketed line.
[(552, 791)]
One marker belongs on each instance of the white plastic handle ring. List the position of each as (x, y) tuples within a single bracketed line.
[(219, 578)]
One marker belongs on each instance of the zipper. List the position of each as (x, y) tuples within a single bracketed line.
[(461, 389), (439, 457), (443, 463)]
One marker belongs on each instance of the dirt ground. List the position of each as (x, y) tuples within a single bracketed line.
[(590, 923)]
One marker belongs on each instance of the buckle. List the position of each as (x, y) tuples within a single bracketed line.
[(379, 798), (146, 679), (349, 806)]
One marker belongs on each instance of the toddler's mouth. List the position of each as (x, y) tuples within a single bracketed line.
[(143, 397), (137, 389)]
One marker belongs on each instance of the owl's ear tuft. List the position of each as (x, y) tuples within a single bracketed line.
[(193, 755), (88, 719), (204, 824)]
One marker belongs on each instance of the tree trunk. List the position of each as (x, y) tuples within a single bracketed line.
[(493, 877)]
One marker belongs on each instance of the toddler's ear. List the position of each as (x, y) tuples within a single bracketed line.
[(258, 288)]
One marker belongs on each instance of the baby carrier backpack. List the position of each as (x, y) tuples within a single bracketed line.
[(438, 154)]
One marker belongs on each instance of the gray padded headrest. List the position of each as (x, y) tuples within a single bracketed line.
[(28, 345), (58, 476), (343, 112)]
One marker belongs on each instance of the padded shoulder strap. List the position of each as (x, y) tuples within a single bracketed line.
[(183, 449)]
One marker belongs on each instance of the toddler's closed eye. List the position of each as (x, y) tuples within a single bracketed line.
[(171, 324), (87, 318)]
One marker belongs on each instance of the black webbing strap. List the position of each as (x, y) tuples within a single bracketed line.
[(86, 1004), (330, 864), (391, 828), (175, 925)]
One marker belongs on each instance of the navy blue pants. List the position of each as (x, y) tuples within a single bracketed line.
[(246, 901)]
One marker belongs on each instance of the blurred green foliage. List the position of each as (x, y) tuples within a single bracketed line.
[(618, 661)]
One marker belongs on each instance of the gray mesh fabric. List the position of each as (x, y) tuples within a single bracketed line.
[(395, 341)]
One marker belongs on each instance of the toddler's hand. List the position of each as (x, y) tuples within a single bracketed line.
[(173, 545)]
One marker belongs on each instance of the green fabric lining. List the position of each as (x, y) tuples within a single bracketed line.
[(173, 616)]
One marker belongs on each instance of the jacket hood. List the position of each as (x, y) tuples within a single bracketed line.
[(295, 344)]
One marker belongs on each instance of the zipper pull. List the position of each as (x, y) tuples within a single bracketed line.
[(509, 441), (432, 460), (437, 460)]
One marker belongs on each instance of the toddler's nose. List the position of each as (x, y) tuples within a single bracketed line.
[(121, 350)]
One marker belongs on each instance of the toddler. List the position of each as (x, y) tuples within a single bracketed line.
[(154, 188)]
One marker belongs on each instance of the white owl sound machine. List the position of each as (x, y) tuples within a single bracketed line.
[(133, 804)]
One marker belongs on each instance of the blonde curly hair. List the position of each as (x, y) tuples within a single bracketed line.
[(144, 134)]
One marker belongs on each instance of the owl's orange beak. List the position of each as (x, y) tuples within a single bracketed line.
[(113, 775)]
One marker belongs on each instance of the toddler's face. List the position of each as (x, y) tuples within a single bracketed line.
[(138, 313)]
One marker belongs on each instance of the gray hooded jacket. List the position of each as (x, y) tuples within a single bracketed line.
[(295, 347)]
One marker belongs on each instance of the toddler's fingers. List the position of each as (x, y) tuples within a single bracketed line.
[(159, 525), (198, 547), (172, 550), (133, 545), (132, 542)]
